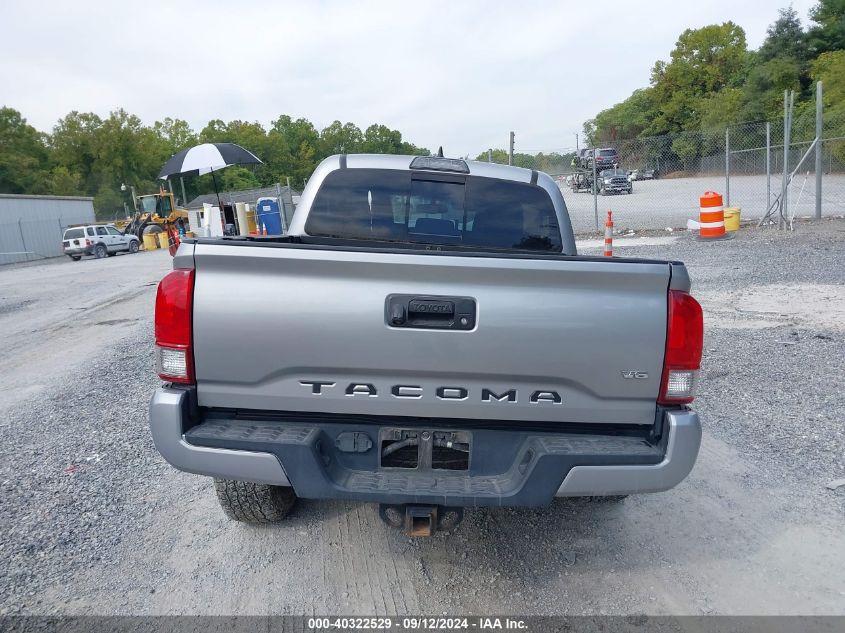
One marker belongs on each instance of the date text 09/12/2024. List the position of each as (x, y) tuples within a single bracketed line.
[(412, 623)]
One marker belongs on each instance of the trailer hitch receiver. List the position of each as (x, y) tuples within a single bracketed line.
[(420, 520)]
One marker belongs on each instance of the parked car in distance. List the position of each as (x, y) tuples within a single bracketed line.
[(605, 157), (642, 174), (98, 240), (614, 181)]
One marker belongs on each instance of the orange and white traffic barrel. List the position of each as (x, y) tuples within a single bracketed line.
[(608, 235), (711, 219)]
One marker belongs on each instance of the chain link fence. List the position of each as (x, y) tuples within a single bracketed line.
[(667, 174)]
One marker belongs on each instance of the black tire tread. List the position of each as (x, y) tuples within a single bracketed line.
[(254, 503)]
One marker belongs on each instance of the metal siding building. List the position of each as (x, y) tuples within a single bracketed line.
[(31, 227)]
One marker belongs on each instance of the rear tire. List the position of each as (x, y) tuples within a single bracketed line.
[(100, 251), (75, 258), (254, 503)]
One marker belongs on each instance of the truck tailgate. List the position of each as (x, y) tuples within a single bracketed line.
[(555, 339)]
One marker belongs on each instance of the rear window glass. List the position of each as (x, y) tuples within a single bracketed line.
[(72, 234), (607, 152), (398, 206)]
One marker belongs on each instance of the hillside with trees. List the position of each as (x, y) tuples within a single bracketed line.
[(93, 156), (712, 80)]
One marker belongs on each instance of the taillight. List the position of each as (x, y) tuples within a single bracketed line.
[(174, 352), (87, 242), (684, 342)]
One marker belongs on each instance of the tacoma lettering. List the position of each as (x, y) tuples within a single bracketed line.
[(406, 391), (545, 396), (316, 385), (451, 393), (366, 389), (487, 395)]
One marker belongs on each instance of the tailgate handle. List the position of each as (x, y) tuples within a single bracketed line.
[(427, 312)]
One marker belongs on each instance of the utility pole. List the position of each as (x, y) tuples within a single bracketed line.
[(819, 150), (576, 142), (787, 132), (510, 152), (490, 155), (595, 191), (768, 166)]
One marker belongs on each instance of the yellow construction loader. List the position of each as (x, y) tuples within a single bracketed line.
[(154, 213)]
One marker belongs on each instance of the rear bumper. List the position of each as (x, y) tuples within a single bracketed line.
[(507, 467), (170, 415)]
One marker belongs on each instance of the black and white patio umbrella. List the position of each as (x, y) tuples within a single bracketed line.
[(207, 158)]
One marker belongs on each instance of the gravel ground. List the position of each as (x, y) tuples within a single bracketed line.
[(95, 522), (773, 374), (656, 204)]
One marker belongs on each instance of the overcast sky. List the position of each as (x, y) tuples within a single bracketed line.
[(459, 74)]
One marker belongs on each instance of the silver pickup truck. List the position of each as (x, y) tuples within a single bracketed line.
[(427, 338)]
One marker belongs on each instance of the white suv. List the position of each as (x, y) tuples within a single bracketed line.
[(98, 240)]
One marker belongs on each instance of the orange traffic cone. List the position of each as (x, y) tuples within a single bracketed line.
[(608, 235), (711, 225)]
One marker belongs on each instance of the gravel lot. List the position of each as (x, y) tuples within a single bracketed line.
[(95, 522), (656, 204)]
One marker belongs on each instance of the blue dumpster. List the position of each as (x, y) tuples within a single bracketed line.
[(269, 215)]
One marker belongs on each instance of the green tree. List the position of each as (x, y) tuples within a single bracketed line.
[(703, 62), (86, 154), (23, 154), (108, 203), (237, 178), (341, 138), (63, 182), (785, 39), (627, 119), (294, 149), (74, 145), (828, 31), (763, 90), (829, 68), (174, 135), (380, 139), (127, 153), (721, 109), (687, 147)]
